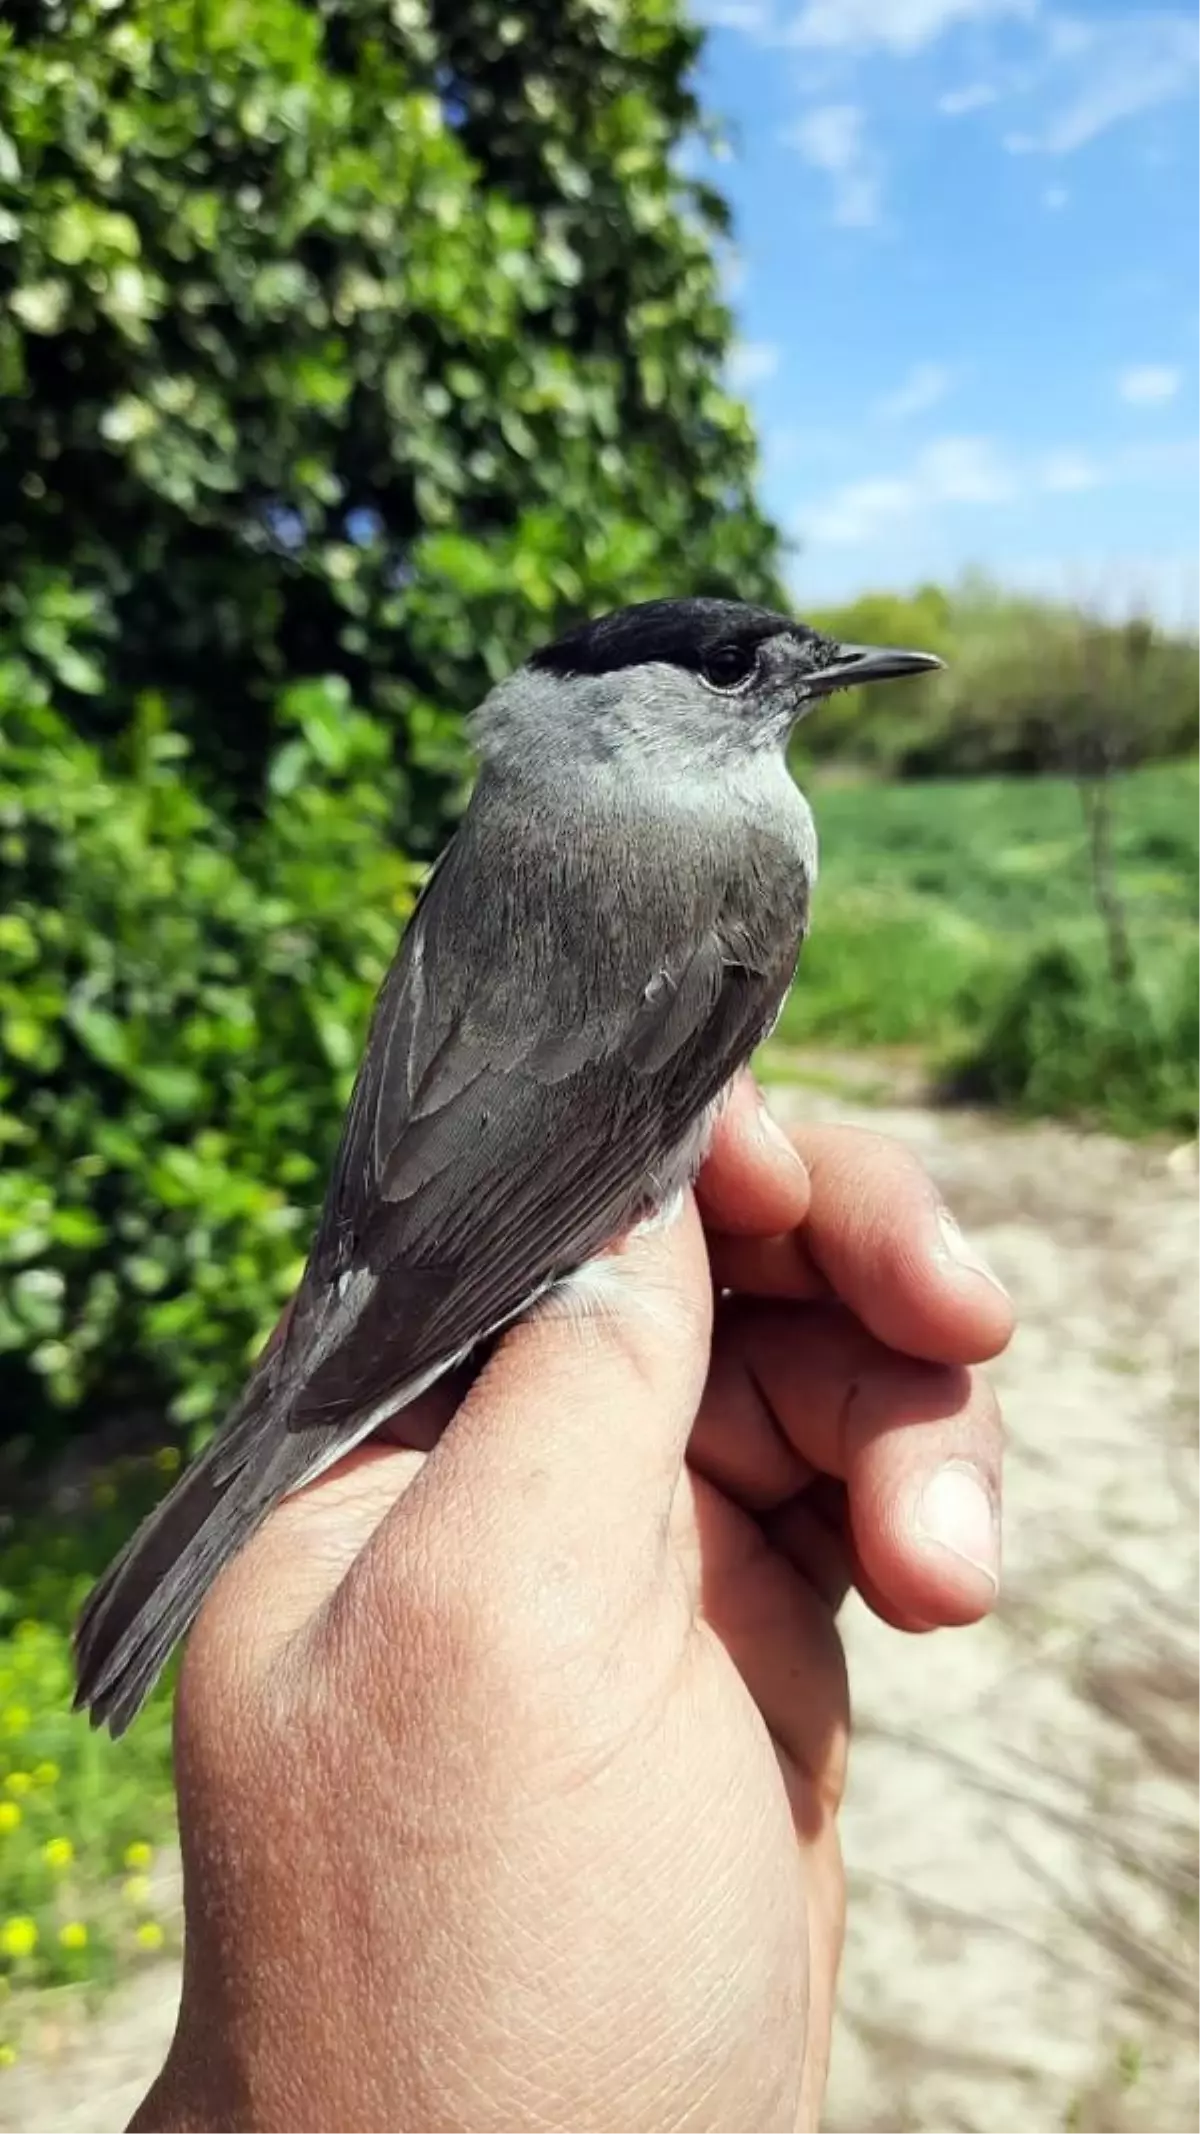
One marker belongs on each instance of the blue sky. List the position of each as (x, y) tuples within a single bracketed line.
[(966, 285)]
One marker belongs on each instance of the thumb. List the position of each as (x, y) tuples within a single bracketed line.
[(572, 1439), (568, 1444)]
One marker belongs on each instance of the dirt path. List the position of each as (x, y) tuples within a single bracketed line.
[(1021, 1829)]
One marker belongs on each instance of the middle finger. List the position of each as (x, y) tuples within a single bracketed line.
[(803, 1390)]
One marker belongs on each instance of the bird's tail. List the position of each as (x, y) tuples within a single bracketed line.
[(152, 1592)]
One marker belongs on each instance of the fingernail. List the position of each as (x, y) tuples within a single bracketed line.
[(956, 1247), (772, 1134), (957, 1512)]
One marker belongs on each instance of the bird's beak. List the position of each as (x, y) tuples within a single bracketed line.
[(868, 663)]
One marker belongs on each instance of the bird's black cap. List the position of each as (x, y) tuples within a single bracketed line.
[(678, 632)]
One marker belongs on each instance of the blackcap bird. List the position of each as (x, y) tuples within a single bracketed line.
[(608, 935)]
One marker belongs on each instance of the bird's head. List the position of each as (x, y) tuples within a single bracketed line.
[(690, 685)]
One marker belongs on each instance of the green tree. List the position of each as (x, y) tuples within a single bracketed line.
[(345, 350), (369, 338)]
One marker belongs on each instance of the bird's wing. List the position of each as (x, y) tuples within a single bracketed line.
[(495, 1142)]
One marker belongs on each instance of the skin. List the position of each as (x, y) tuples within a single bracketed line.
[(510, 1753)]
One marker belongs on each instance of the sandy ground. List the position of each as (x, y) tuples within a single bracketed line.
[(1021, 1827)]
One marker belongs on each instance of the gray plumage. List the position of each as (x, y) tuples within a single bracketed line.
[(600, 948)]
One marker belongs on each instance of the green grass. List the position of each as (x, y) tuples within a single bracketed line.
[(1010, 851), (958, 917)]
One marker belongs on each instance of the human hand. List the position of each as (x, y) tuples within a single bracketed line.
[(509, 1754)]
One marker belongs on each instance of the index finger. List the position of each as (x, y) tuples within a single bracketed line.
[(754, 1182), (879, 1238)]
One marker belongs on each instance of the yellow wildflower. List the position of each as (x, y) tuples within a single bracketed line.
[(46, 1774), (18, 1936), (10, 1816), (58, 1852), (137, 1889), (138, 1855), (18, 1783), (74, 1935), (150, 1934)]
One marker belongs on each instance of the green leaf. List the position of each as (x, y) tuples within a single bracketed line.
[(105, 1037)]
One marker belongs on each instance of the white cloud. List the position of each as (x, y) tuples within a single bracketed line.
[(893, 25), (975, 96), (853, 514), (1067, 35), (1055, 198), (952, 470), (924, 385), (831, 138), (971, 502), (1147, 385), (1087, 73), (1104, 72), (966, 470), (958, 471), (751, 363), (1067, 473)]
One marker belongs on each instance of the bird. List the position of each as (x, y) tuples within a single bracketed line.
[(610, 932)]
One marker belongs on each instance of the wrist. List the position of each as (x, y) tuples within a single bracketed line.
[(164, 2111), (191, 2095)]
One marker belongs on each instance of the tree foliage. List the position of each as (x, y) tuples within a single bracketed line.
[(367, 337), (346, 347)]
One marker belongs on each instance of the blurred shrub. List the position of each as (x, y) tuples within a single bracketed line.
[(1059, 1037), (1029, 687), (182, 1005)]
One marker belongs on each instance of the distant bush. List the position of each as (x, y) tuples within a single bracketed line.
[(1029, 686), (1060, 1037), (182, 1005)]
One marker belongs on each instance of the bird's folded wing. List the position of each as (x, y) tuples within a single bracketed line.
[(495, 1142)]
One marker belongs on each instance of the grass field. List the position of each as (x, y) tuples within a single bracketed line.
[(943, 908)]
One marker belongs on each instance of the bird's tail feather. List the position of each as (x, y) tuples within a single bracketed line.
[(151, 1594)]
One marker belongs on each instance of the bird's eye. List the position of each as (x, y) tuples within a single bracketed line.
[(727, 665)]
